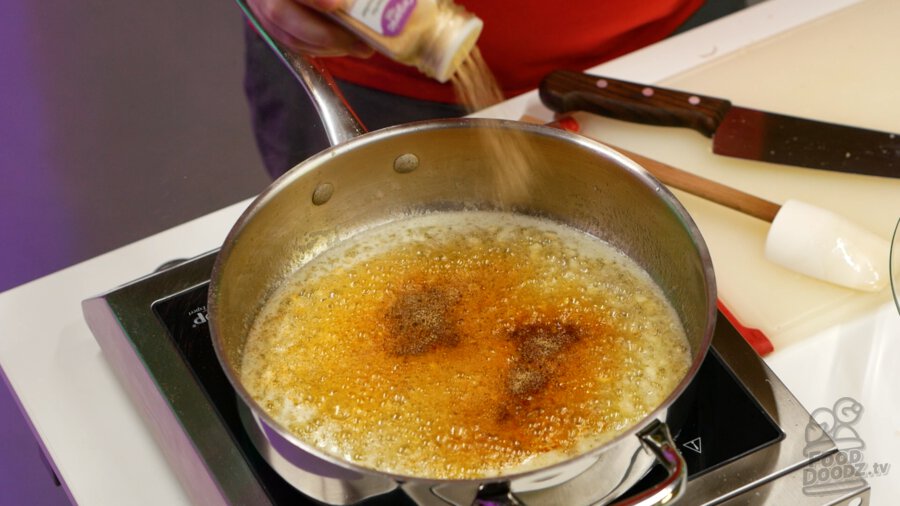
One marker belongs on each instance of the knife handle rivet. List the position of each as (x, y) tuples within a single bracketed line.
[(647, 92), (694, 100), (602, 83)]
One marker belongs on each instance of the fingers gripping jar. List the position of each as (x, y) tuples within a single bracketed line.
[(435, 36)]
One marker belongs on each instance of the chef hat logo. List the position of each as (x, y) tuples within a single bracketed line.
[(835, 424)]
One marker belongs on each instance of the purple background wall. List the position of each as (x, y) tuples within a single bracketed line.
[(117, 120)]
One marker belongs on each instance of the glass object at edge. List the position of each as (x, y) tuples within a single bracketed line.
[(894, 272)]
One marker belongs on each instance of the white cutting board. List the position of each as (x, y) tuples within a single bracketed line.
[(842, 68)]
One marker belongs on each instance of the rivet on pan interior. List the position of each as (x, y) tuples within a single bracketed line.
[(406, 163), (322, 193)]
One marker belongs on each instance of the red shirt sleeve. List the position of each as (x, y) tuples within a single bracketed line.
[(524, 40)]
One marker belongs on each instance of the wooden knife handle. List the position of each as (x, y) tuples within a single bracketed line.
[(564, 91)]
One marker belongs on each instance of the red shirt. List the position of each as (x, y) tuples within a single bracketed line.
[(524, 40)]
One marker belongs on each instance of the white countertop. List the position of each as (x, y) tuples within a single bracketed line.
[(104, 453)]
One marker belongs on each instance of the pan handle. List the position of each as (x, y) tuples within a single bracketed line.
[(658, 440), (341, 123)]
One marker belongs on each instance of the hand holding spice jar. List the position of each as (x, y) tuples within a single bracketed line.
[(435, 36)]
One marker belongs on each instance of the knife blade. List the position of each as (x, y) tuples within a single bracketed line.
[(736, 131)]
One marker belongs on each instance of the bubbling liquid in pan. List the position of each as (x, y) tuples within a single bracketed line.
[(464, 345)]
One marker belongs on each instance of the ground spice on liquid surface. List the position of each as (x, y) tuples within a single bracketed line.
[(464, 345)]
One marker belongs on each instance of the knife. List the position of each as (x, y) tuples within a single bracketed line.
[(736, 131)]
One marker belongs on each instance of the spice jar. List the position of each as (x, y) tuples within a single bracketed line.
[(435, 36)]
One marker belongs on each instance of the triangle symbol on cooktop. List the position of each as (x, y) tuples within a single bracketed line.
[(694, 445)]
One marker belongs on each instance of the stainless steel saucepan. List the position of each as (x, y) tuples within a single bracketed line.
[(366, 179)]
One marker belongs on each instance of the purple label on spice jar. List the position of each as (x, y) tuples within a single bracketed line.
[(395, 15)]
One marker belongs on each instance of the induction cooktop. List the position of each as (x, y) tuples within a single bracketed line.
[(746, 440)]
